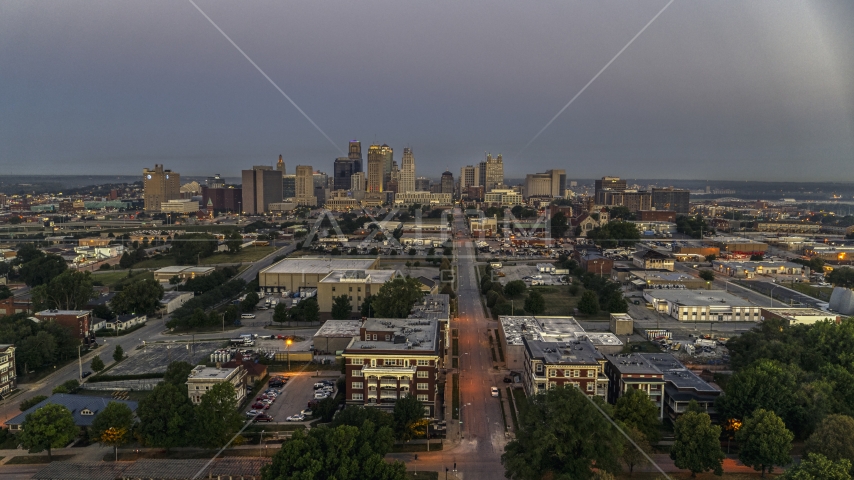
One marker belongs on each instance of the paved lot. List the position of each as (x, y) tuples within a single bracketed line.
[(516, 272), (299, 392), (155, 357)]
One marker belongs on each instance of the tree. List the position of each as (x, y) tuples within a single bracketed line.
[(535, 303), (248, 304), (103, 311), (51, 426), (842, 277), (69, 386), (834, 438), (818, 467), (280, 313), (4, 290), (408, 411), (562, 435), (189, 248), (113, 425), (707, 275), (355, 416), (118, 353), (631, 455), (696, 445), (764, 441), (28, 252), (41, 270), (310, 309), (341, 452), (31, 402), (70, 290), (559, 225), (396, 298), (165, 415), (127, 260), (589, 303), (177, 373), (635, 409), (233, 241), (341, 307), (217, 418), (757, 258), (766, 385), (97, 364), (141, 297), (515, 288)]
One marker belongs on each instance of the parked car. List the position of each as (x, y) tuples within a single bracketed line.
[(86, 374), (321, 395), (252, 413), (307, 412), (494, 391), (257, 405), (263, 418), (295, 418)]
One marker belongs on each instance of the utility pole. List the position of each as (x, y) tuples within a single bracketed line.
[(80, 361)]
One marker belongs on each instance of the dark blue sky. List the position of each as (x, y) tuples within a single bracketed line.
[(760, 90)]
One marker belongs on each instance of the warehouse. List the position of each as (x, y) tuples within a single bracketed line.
[(702, 305), (291, 274)]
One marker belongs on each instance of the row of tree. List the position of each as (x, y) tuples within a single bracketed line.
[(181, 317), (38, 345)]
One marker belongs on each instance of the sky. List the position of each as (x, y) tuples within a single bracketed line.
[(725, 89)]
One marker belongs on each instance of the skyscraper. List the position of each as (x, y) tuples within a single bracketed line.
[(375, 169), (159, 185), (261, 186), (289, 186), (407, 172), (467, 177), (343, 170), (388, 162), (447, 185), (607, 183), (305, 186), (551, 184), (280, 166), (494, 175), (422, 184), (355, 154), (673, 199)]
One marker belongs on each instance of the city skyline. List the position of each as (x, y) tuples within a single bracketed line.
[(688, 99)]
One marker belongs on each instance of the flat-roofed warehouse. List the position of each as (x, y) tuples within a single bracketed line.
[(335, 335), (291, 274)]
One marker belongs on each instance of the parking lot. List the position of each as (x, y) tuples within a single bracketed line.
[(520, 271), (296, 394), (155, 357)]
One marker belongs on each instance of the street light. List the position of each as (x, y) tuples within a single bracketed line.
[(79, 361), (771, 295), (288, 343)]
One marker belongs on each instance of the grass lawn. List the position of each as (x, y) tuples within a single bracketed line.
[(159, 261), (248, 254), (558, 300), (113, 278), (33, 459), (821, 293)]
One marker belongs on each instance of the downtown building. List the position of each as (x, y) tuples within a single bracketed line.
[(159, 186), (304, 193), (551, 364), (671, 199), (261, 186), (393, 358), (551, 184), (376, 169), (406, 182)]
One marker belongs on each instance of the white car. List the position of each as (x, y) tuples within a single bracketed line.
[(295, 418), (252, 413), (321, 395), (494, 391)]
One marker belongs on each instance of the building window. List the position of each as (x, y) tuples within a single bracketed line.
[(589, 386), (552, 384), (357, 373), (358, 385), (566, 373), (552, 373), (422, 397), (387, 338), (539, 368), (590, 373), (356, 361), (423, 386), (423, 374), (358, 396), (375, 336), (423, 363)]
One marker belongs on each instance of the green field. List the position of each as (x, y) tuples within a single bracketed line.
[(156, 262), (113, 278), (558, 300), (821, 293), (248, 254)]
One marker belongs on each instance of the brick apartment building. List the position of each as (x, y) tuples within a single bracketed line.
[(77, 321), (553, 364), (393, 358), (634, 371), (8, 376)]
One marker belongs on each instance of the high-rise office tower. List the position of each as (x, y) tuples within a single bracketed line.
[(422, 184), (447, 185), (467, 177), (215, 182), (289, 186), (551, 184), (159, 185), (305, 186), (607, 183), (407, 172), (480, 174), (375, 169), (261, 186), (357, 182), (672, 199), (355, 154), (342, 171), (388, 161), (494, 174), (280, 166)]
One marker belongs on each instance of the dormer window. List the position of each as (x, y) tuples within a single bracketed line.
[(86, 411)]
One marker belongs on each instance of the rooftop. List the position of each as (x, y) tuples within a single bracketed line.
[(176, 269), (360, 276), (318, 265), (436, 307), (203, 373), (54, 313), (83, 408), (664, 276), (698, 297), (552, 329), (339, 328), (794, 313), (406, 334), (633, 364), (675, 373), (563, 353), (172, 295)]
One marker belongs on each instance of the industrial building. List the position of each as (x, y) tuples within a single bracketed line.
[(799, 316), (291, 274), (182, 272), (652, 260), (748, 269), (641, 280), (357, 285), (702, 305), (334, 336), (736, 246)]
